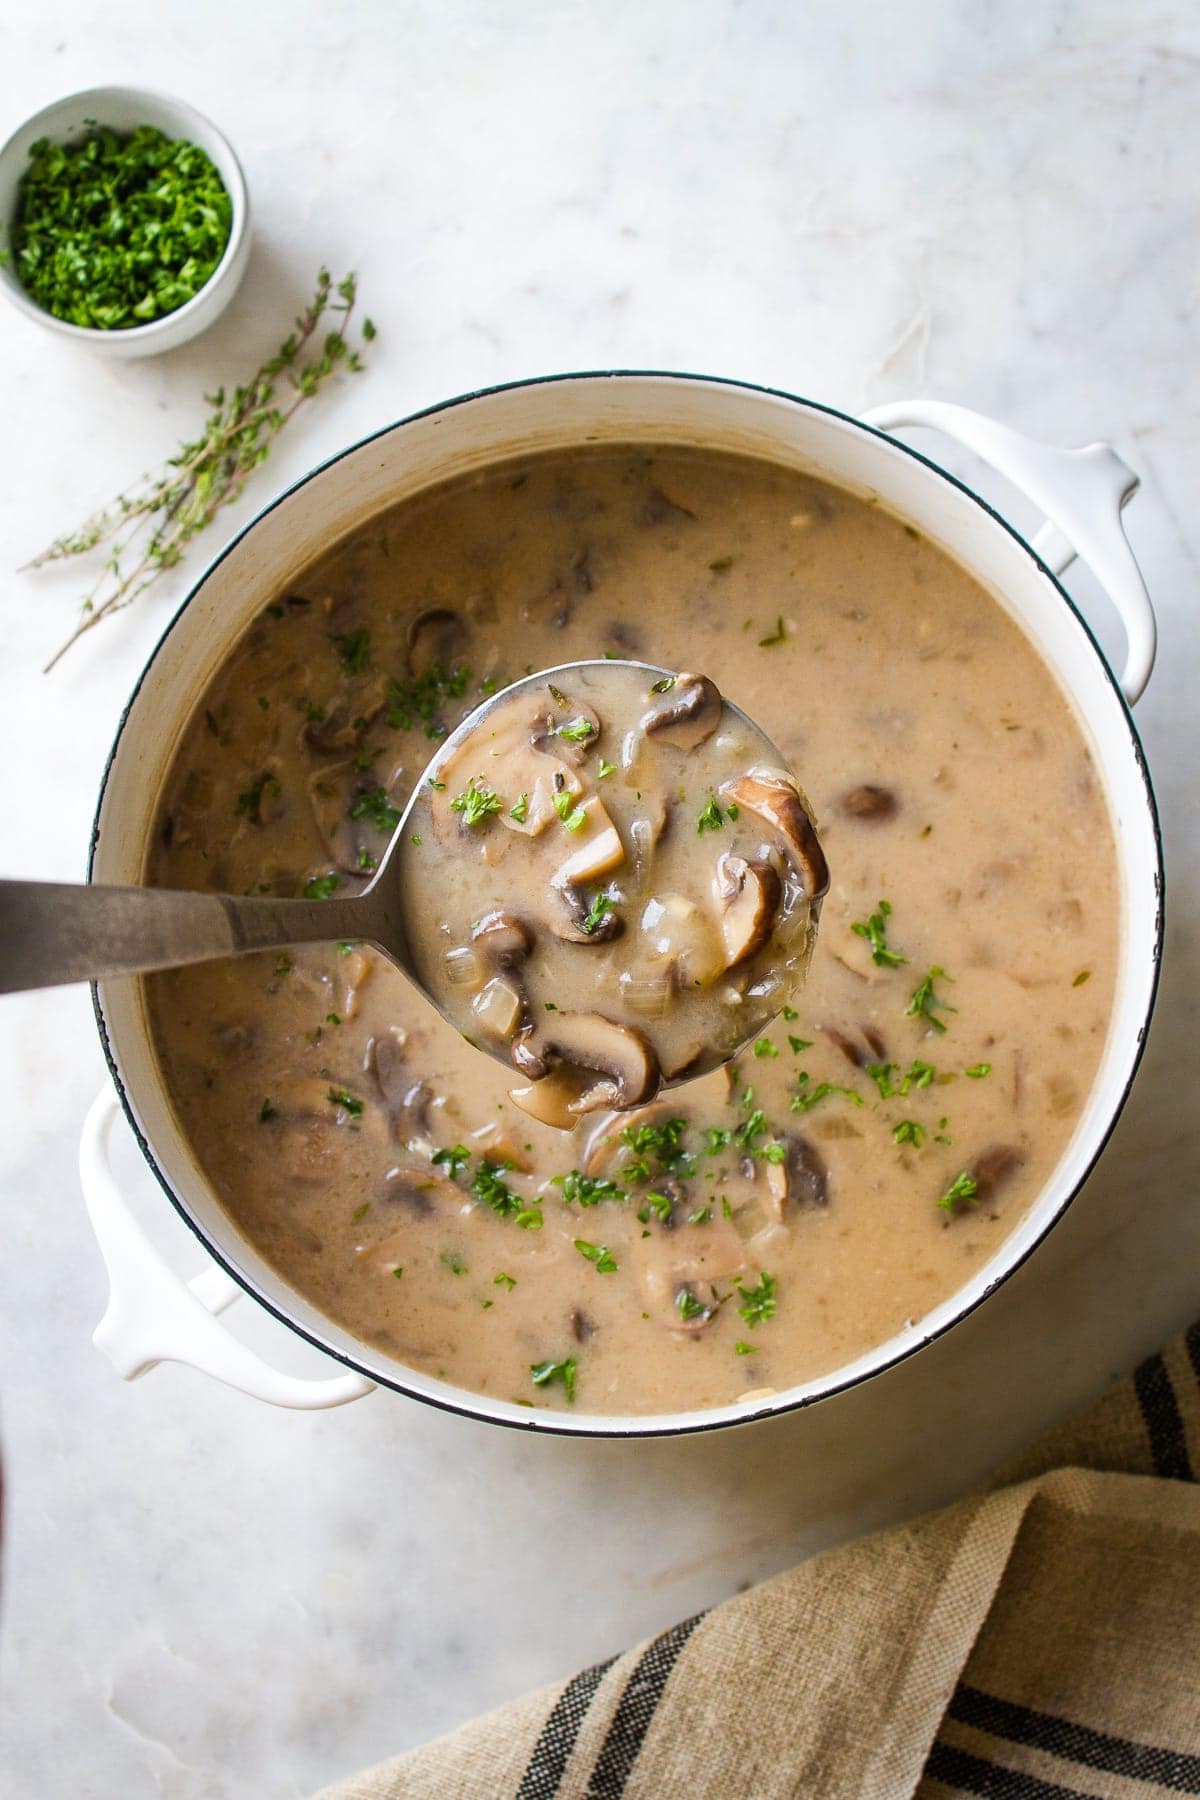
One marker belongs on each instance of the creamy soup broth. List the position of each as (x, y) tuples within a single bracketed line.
[(860, 1160)]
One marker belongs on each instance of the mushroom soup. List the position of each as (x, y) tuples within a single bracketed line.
[(869, 1150), (611, 883)]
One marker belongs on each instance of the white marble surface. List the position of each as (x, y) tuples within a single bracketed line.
[(206, 1599)]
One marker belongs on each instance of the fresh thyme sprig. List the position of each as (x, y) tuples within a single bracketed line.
[(211, 471)]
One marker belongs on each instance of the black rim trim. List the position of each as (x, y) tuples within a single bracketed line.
[(544, 1423)]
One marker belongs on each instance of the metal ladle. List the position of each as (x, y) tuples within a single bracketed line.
[(52, 933)]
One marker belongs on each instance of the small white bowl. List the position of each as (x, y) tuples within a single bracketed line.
[(123, 108)]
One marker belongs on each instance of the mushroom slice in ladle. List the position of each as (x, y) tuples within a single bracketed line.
[(612, 1066), (685, 714), (779, 804), (748, 895)]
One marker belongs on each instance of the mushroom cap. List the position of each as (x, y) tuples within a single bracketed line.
[(620, 1056), (748, 895), (687, 713), (434, 638), (503, 939), (779, 803)]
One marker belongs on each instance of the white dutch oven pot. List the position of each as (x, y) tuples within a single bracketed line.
[(153, 1316)]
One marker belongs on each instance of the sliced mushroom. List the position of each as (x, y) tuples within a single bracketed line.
[(345, 724), (407, 1100), (582, 1328), (801, 1179), (595, 1064), (604, 1141), (779, 804), (580, 721), (526, 1056), (503, 940), (598, 855), (871, 1050), (436, 638), (623, 1064), (748, 895), (552, 1100), (994, 1167), (869, 804), (686, 714), (694, 1309)]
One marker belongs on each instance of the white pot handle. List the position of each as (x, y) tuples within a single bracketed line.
[(154, 1316), (1081, 493)]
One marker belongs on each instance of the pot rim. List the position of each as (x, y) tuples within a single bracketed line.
[(715, 1419)]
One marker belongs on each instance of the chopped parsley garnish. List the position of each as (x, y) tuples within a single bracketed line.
[(977, 1071), (908, 1131), (742, 1349), (504, 1281), (453, 1159), (807, 1097), (759, 1302), (658, 1204), (721, 564), (919, 1076), (283, 965), (572, 816), (543, 1374), (925, 1000), (360, 1212), (321, 887), (798, 1044), (662, 1142), (249, 804), (373, 805), (701, 1216), (266, 1111), (964, 1187), (764, 1047), (875, 930), (751, 1127), (439, 787), (606, 768), (790, 1013), (587, 1190), (398, 1272), (599, 909), (332, 1018), (778, 636), (600, 1254), (710, 817), (577, 732), (419, 702), (343, 1097), (716, 1139), (118, 228), (353, 648), (346, 948), (663, 686), (1083, 975), (520, 810), (687, 1305), (476, 803), (454, 1262)]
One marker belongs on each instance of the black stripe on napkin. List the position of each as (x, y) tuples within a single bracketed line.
[(1171, 1769), (1163, 1420), (552, 1752), (1192, 1340), (973, 1775), (635, 1710)]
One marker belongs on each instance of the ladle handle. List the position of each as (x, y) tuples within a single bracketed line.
[(55, 932)]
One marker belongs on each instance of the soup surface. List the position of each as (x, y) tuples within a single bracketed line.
[(767, 1222)]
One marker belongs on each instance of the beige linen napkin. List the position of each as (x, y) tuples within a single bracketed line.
[(1039, 1641)]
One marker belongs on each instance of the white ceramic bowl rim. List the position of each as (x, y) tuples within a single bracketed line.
[(197, 124), (479, 1406)]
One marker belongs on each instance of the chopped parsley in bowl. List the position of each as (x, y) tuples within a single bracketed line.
[(124, 220), (117, 228)]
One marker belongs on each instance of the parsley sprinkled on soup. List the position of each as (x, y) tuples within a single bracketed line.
[(870, 1146)]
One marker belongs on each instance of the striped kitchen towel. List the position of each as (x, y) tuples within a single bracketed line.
[(1039, 1641)]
